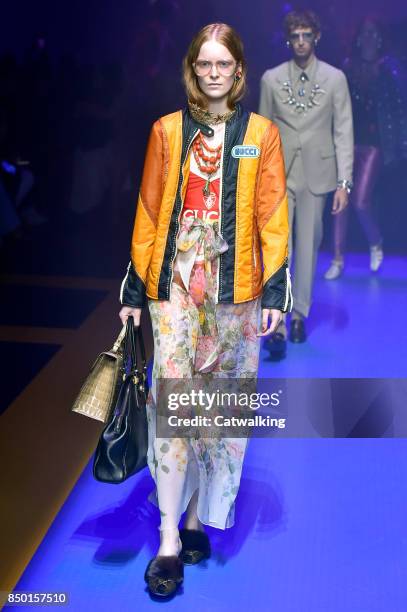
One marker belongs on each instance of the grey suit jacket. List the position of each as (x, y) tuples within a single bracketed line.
[(324, 134)]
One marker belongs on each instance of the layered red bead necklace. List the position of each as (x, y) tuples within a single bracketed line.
[(207, 159)]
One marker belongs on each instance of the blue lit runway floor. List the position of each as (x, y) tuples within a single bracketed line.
[(357, 325), (320, 523)]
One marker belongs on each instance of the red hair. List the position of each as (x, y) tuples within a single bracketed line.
[(227, 36)]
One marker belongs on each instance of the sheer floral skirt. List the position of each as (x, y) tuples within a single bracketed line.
[(190, 342)]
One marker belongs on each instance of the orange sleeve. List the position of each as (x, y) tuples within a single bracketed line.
[(133, 289), (273, 223)]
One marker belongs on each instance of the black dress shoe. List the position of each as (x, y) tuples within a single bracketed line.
[(195, 546), (277, 345), (297, 331), (164, 574)]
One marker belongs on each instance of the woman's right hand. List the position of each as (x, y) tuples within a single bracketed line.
[(128, 311)]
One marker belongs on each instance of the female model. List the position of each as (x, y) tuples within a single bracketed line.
[(380, 121), (208, 210)]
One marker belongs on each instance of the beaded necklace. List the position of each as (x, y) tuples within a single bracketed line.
[(207, 163)]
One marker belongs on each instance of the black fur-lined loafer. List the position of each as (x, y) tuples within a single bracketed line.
[(277, 345), (164, 574), (195, 546)]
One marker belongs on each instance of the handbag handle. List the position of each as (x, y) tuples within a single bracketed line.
[(143, 359), (119, 340), (132, 333), (129, 351), (141, 344)]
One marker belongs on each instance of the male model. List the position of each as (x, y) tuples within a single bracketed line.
[(309, 101)]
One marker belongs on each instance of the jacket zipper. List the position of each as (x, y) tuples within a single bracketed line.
[(220, 275), (169, 284)]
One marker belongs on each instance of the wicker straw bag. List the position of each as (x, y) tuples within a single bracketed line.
[(100, 389)]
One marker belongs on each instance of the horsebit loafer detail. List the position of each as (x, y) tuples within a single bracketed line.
[(164, 574), (195, 546)]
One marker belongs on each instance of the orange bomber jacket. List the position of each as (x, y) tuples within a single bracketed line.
[(253, 211)]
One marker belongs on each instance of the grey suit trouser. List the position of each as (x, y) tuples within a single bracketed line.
[(305, 214)]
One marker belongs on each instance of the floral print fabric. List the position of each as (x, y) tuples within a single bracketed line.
[(194, 336), (201, 243)]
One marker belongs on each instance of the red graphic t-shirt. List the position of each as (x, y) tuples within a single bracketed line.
[(196, 204)]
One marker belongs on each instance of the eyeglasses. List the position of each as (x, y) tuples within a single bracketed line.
[(203, 67), (296, 36)]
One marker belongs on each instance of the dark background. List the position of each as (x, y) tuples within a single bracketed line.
[(143, 42)]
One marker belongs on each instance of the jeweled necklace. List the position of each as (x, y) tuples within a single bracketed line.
[(207, 163), (301, 107), (207, 117)]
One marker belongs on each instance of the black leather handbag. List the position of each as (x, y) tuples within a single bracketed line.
[(122, 447)]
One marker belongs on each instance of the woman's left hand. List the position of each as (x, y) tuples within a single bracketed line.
[(276, 317)]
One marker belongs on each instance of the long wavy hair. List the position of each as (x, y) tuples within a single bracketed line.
[(227, 36), (374, 19)]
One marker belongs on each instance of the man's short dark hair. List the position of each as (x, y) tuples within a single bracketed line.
[(301, 19)]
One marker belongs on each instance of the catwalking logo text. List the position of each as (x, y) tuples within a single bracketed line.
[(223, 421)]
